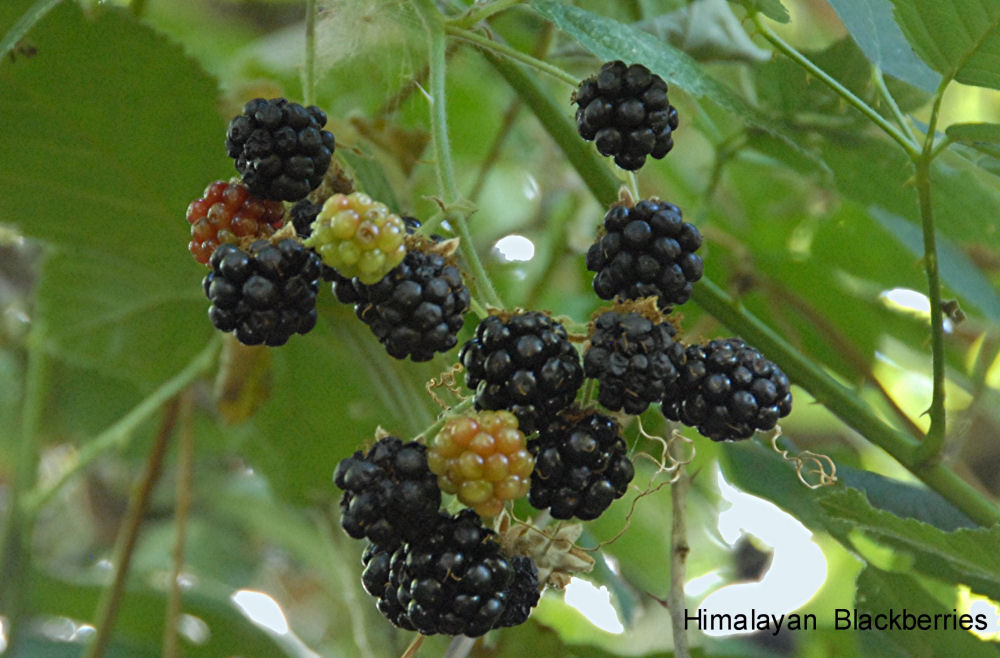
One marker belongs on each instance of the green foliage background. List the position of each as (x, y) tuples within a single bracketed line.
[(802, 157)]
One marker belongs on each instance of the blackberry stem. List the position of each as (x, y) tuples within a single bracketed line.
[(309, 70), (679, 550), (789, 51), (483, 12), (891, 102), (181, 508), (510, 53)]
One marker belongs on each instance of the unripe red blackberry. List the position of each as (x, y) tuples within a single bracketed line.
[(482, 459), (358, 237), (728, 390), (280, 148), (528, 364), (454, 582), (415, 310), (265, 294), (227, 212), (624, 110), (633, 359), (390, 495), (646, 251), (581, 466)]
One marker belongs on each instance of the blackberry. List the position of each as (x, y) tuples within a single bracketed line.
[(581, 466), (455, 582), (633, 359), (523, 593), (416, 309), (227, 212), (482, 459), (358, 237), (728, 390), (280, 148), (265, 294), (390, 495), (528, 364), (646, 250), (624, 110)]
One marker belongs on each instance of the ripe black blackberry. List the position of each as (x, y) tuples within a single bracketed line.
[(581, 466), (265, 294), (390, 495), (416, 309), (646, 250), (633, 359), (280, 148), (625, 111), (528, 364), (455, 581), (728, 390), (522, 593)]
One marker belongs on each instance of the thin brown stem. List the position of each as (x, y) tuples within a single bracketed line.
[(107, 608), (181, 509), (678, 562)]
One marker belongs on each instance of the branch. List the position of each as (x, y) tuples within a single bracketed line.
[(677, 602)]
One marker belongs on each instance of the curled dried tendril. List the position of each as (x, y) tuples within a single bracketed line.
[(667, 462), (823, 466), (449, 381)]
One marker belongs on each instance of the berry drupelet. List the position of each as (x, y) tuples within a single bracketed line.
[(581, 466), (280, 148), (633, 359), (528, 364), (646, 250), (728, 390), (390, 495), (625, 111), (265, 294)]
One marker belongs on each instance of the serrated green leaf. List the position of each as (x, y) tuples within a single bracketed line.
[(871, 24), (107, 184), (773, 9), (967, 556), (884, 593), (609, 39), (958, 38), (984, 137)]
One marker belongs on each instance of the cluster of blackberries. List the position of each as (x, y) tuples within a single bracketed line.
[(280, 148), (265, 294), (625, 111), (431, 572)]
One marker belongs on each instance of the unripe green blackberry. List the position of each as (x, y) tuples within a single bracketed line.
[(728, 390), (633, 359), (624, 110), (581, 466), (265, 294), (482, 459), (528, 364), (646, 251), (280, 148), (226, 213), (390, 495), (358, 237)]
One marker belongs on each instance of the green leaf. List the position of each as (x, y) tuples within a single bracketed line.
[(905, 499), (871, 24), (984, 137), (107, 185), (708, 31), (965, 555), (609, 39), (884, 593), (773, 9), (958, 38)]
